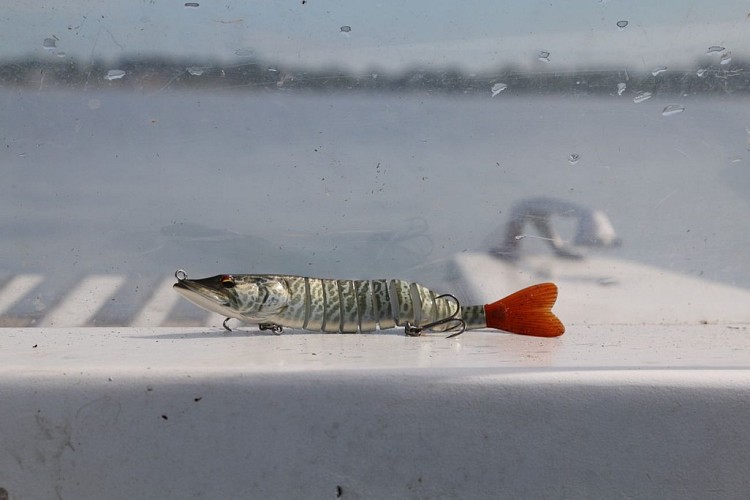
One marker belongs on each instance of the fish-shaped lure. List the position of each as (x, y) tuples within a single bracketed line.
[(355, 306)]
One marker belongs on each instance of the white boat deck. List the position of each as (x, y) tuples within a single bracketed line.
[(603, 411)]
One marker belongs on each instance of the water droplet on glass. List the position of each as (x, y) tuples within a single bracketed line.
[(61, 54), (672, 109), (607, 280), (192, 5), (701, 72), (622, 24), (543, 56), (574, 158), (497, 88), (195, 70), (621, 88), (659, 70), (50, 44), (114, 74), (272, 70), (642, 96), (244, 52), (346, 29), (715, 49), (725, 58)]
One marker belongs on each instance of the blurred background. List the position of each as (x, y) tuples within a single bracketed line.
[(371, 140)]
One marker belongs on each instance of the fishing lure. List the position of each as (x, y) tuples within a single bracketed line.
[(354, 306)]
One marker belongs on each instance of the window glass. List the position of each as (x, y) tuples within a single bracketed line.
[(474, 147)]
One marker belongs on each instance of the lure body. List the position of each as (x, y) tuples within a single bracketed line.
[(351, 306)]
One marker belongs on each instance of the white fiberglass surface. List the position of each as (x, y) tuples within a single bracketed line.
[(315, 139)]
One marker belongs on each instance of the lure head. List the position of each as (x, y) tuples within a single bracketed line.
[(248, 297)]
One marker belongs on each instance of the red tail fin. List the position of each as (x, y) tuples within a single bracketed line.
[(527, 312)]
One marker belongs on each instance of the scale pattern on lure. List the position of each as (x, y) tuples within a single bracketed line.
[(354, 306)]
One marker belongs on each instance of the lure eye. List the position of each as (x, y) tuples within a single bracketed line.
[(227, 281)]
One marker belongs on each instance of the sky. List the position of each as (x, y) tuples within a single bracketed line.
[(473, 35)]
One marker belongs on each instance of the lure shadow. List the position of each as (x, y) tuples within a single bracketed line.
[(209, 334), (235, 333)]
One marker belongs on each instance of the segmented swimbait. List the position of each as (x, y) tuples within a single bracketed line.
[(354, 306)]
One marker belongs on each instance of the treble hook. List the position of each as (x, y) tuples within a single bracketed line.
[(226, 327), (416, 331), (276, 329)]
